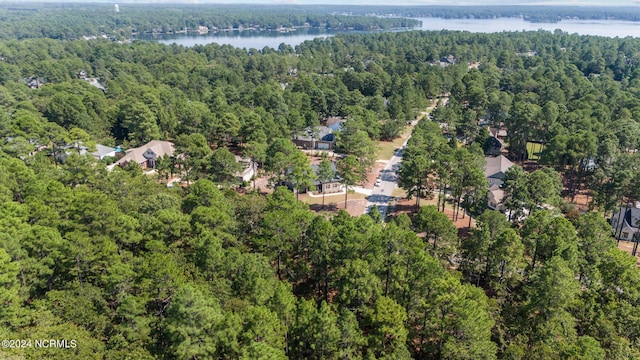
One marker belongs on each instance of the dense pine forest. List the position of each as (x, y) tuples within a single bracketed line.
[(129, 268)]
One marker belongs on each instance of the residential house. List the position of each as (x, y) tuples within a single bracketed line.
[(495, 146), (496, 168), (495, 171), (449, 59), (445, 61), (34, 82), (626, 223), (320, 138), (331, 186), (103, 151), (95, 82), (495, 197), (335, 123), (62, 152), (147, 154), (499, 133), (248, 169)]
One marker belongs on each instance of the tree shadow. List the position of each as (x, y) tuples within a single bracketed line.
[(333, 207)]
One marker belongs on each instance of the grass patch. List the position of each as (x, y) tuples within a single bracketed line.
[(331, 198), (399, 192), (386, 149), (533, 149)]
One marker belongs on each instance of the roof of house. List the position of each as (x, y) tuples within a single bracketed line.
[(95, 82), (497, 192), (632, 216), (34, 82), (321, 133), (498, 132), (102, 150), (495, 142), (247, 165), (315, 168), (448, 59), (496, 166), (335, 123), (78, 146), (140, 154)]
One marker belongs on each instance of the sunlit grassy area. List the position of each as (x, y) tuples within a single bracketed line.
[(398, 192), (534, 150), (333, 198), (386, 149)]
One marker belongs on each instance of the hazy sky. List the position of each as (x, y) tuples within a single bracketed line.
[(368, 2), (453, 2)]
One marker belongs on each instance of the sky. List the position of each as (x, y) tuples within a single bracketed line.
[(367, 2)]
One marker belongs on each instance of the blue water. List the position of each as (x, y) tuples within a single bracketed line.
[(259, 39)]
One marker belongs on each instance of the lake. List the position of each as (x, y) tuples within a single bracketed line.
[(608, 28), (243, 39), (259, 39)]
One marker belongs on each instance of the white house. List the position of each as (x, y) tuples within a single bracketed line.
[(103, 151), (626, 222), (248, 169)]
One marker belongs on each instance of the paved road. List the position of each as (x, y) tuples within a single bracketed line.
[(383, 194)]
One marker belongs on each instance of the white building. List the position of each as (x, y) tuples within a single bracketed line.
[(248, 169), (625, 223), (103, 151)]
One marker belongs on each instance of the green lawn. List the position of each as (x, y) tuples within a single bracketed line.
[(534, 150), (386, 149)]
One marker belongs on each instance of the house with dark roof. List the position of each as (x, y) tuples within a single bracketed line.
[(318, 138), (449, 59), (495, 146), (34, 82), (626, 223), (62, 152)]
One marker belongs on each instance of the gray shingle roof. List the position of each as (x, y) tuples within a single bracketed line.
[(496, 166)]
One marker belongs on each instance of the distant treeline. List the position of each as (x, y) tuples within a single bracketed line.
[(70, 21), (529, 13)]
